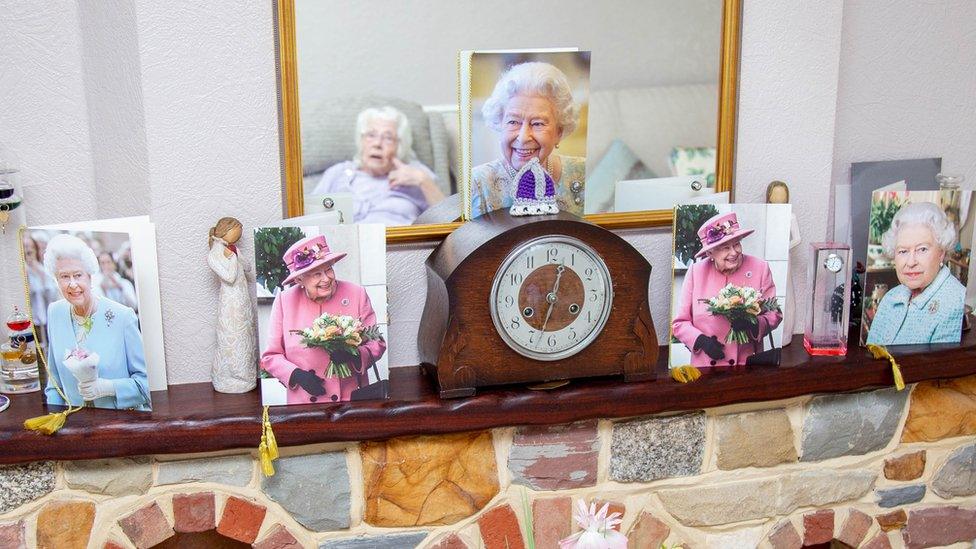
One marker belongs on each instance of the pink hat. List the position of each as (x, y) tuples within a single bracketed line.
[(718, 230), (308, 254)]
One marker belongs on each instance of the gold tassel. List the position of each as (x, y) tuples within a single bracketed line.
[(878, 351), (685, 374), (48, 424), (268, 449)]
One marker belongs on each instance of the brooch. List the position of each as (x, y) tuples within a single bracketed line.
[(345, 301), (934, 307), (748, 274), (109, 316)]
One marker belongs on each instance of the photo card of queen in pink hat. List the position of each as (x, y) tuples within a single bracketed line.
[(322, 320), (730, 267)]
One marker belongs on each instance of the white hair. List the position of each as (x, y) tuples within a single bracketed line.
[(66, 246), (404, 137), (920, 213), (534, 78)]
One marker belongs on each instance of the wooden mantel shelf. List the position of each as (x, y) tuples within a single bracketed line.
[(193, 418)]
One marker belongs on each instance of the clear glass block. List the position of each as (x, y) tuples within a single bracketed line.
[(827, 320)]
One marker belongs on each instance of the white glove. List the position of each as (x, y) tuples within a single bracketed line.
[(82, 364), (96, 389)]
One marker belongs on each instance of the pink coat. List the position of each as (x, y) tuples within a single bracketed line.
[(293, 310), (692, 319)]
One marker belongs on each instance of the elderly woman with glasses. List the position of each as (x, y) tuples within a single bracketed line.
[(388, 184), (532, 110), (927, 307), (95, 351)]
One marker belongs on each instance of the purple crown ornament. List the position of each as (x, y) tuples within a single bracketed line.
[(535, 192)]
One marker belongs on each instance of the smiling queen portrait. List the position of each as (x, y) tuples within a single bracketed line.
[(315, 290), (928, 304), (705, 333), (531, 109)]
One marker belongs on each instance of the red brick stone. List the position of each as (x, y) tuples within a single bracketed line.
[(193, 512), (147, 526), (879, 541), (855, 527), (500, 529), (785, 536), (647, 531), (615, 507), (450, 541), (12, 535), (241, 519), (906, 467), (938, 526), (559, 457), (278, 538), (818, 527), (65, 525), (894, 520), (552, 520)]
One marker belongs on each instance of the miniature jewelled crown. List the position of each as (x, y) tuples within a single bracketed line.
[(535, 192)]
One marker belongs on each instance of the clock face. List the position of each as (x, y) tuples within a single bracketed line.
[(834, 263), (551, 297)]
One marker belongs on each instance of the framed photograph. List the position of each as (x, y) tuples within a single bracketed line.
[(519, 106), (89, 302), (919, 247), (322, 322), (731, 262)]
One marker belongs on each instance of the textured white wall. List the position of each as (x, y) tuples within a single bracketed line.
[(907, 85), (210, 122)]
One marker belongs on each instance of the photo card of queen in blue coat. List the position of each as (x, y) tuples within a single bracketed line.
[(731, 264), (918, 267), (85, 305)]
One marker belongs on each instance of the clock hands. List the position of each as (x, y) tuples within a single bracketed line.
[(551, 299)]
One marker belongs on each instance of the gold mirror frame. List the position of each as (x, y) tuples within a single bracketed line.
[(291, 147)]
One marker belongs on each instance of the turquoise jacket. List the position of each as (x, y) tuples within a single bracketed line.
[(934, 316), (115, 337)]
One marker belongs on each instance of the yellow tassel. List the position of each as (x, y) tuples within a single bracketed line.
[(878, 351), (268, 449), (685, 374), (270, 436), (47, 424)]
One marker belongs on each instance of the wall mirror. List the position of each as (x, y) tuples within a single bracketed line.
[(660, 108)]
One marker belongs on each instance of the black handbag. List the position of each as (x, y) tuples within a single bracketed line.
[(765, 358), (374, 391)]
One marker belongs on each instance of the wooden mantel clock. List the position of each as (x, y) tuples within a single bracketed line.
[(530, 299)]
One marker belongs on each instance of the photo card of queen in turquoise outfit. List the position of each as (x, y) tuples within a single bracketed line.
[(86, 303), (918, 267), (322, 313), (730, 271)]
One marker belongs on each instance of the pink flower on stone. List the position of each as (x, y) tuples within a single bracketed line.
[(598, 532)]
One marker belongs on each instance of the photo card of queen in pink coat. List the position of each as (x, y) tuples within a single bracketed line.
[(322, 320), (730, 267)]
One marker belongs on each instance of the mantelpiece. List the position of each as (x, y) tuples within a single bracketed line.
[(193, 418)]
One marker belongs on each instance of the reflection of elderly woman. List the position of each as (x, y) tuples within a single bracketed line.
[(532, 110), (388, 184), (927, 307), (84, 324), (303, 370), (701, 331)]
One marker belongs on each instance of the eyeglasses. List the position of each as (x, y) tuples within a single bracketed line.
[(386, 138)]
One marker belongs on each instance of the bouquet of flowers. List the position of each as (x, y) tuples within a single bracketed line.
[(741, 305), (83, 364), (341, 336)]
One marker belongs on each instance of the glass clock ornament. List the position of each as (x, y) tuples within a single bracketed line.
[(827, 322)]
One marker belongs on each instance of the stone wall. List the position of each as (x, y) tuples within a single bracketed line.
[(870, 469)]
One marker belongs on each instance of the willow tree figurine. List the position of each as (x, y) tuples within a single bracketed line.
[(235, 363)]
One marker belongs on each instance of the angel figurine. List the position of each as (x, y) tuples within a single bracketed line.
[(777, 192), (235, 363)]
